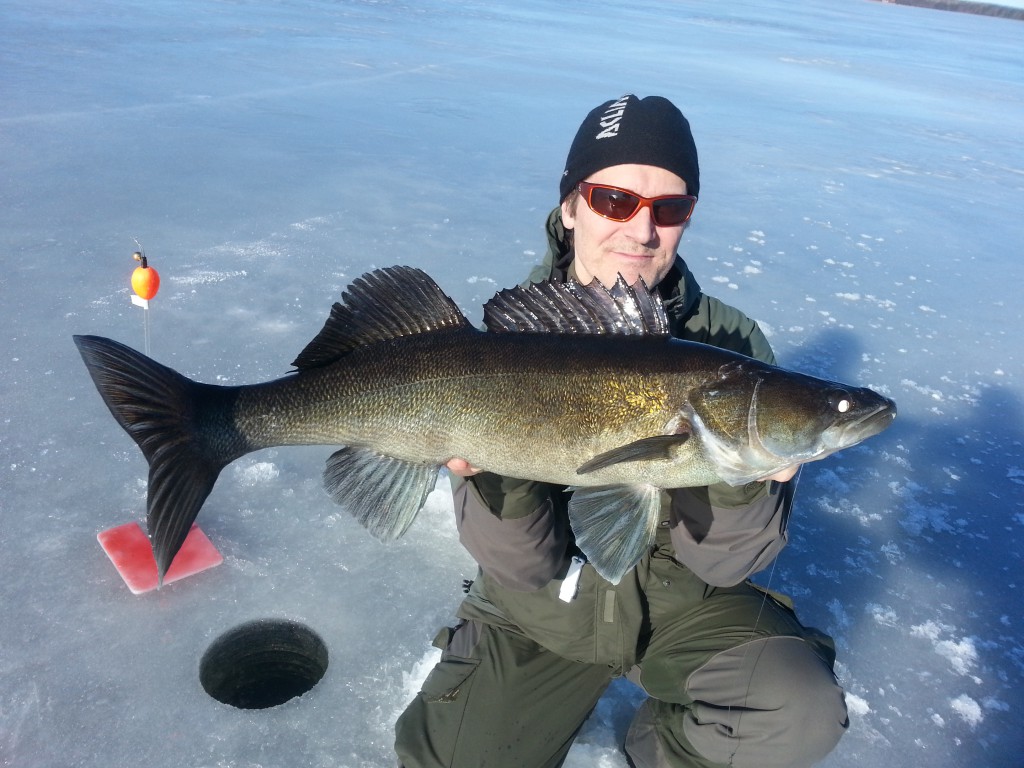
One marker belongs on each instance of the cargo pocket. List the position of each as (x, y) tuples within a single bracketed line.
[(431, 729), (452, 676), (449, 680)]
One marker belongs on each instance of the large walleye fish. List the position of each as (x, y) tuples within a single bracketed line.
[(571, 384)]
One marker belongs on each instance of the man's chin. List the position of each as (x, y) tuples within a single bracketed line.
[(633, 268)]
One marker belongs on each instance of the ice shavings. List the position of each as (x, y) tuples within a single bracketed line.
[(863, 715), (892, 552), (887, 304), (583, 755), (311, 223), (962, 654), (412, 680), (857, 706), (996, 705), (252, 251), (256, 473), (968, 709), (207, 276), (600, 740), (924, 389), (840, 621), (846, 508), (828, 478), (883, 615), (919, 517)]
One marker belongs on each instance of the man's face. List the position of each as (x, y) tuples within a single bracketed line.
[(635, 248)]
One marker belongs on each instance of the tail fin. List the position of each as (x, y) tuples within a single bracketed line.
[(183, 428)]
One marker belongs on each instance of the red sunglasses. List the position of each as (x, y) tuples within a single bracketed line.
[(621, 205)]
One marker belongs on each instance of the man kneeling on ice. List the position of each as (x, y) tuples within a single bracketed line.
[(732, 676)]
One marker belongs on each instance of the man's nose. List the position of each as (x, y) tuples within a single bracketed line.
[(642, 227)]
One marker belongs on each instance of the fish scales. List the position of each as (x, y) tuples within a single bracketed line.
[(493, 399)]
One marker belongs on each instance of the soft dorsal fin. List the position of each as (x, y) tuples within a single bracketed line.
[(571, 307), (380, 305)]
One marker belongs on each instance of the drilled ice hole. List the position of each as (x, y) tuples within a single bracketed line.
[(263, 663)]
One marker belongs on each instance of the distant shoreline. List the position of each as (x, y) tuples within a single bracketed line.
[(961, 6)]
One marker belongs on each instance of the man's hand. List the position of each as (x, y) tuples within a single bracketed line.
[(462, 468), (783, 475)]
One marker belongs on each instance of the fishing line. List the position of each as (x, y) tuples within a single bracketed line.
[(743, 659), (765, 591)]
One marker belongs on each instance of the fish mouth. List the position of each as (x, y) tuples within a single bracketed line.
[(874, 421), (852, 431)]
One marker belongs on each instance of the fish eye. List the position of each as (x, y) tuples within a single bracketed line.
[(840, 400)]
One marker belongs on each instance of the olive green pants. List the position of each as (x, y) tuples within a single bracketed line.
[(733, 678)]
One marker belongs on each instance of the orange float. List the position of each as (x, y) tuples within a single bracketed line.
[(145, 279)]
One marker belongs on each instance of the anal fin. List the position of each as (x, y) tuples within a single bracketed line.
[(383, 493)]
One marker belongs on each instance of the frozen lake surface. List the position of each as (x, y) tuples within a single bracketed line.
[(863, 177)]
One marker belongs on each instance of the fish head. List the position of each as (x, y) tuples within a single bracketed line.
[(803, 418), (757, 419)]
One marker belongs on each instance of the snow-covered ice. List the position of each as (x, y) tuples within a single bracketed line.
[(862, 182)]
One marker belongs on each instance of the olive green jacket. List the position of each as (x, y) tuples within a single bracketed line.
[(518, 530)]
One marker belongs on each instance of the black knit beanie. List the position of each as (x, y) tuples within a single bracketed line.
[(650, 131)]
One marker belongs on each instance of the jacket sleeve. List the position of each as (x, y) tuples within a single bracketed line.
[(725, 540), (725, 534), (512, 528)]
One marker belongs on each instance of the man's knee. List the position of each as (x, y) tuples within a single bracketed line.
[(770, 703)]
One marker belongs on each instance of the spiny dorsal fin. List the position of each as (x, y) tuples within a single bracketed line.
[(571, 307), (380, 305)]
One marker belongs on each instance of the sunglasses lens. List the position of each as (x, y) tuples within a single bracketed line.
[(620, 205), (671, 213), (613, 203)]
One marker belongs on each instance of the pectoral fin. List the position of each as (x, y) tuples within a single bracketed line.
[(647, 449), (384, 494), (614, 525)]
